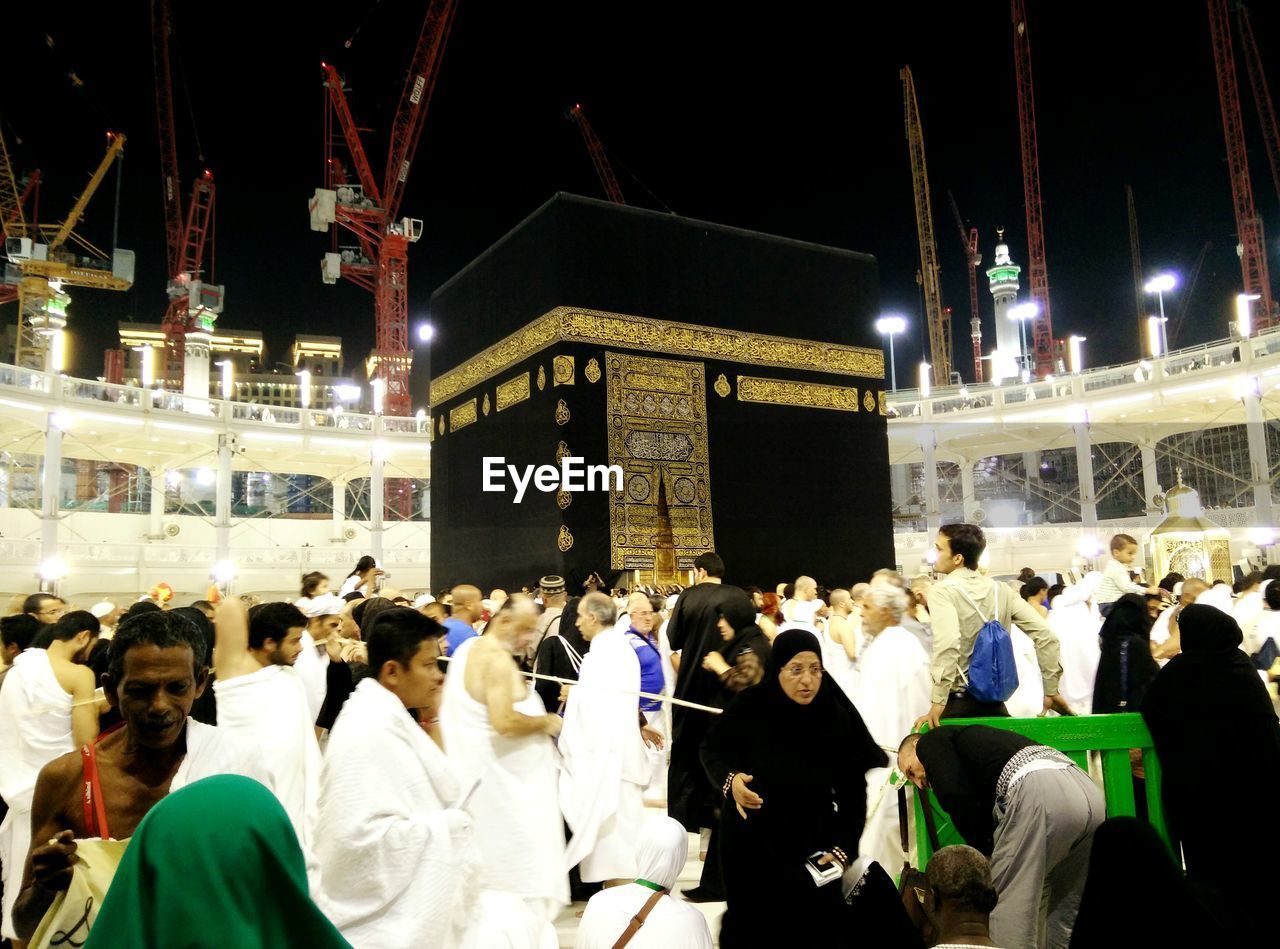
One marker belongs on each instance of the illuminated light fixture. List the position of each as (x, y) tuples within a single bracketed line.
[(380, 450), (1244, 314), (147, 357), (924, 380), (1262, 536), (1155, 336), (114, 419), (304, 388), (31, 406), (1160, 283), (180, 427), (62, 420), (426, 332), (1075, 353), (227, 367), (53, 569), (347, 393), (891, 326), (205, 477), (272, 437), (1244, 386), (224, 571), (1089, 547), (1197, 386), (173, 477), (58, 351), (379, 387), (1125, 399)]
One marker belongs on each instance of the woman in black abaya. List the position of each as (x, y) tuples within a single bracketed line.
[(1219, 742), (789, 757), (740, 663), (1125, 668)]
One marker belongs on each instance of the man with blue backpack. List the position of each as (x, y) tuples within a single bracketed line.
[(973, 665)]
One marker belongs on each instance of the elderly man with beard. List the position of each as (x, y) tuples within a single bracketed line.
[(157, 669)]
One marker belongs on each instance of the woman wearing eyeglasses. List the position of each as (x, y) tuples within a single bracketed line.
[(789, 757)]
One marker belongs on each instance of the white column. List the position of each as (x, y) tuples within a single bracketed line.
[(195, 367), (156, 524), (222, 500), (339, 507), (967, 499), (1259, 464), (375, 505), (1150, 479), (50, 490), (1084, 467), (932, 504)]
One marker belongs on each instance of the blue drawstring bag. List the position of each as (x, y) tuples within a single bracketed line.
[(993, 673)]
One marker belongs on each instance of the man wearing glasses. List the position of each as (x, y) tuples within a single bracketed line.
[(644, 640), (45, 608)]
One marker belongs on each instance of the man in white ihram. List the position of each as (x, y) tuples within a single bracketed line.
[(605, 767)]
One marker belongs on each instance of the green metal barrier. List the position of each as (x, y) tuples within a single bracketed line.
[(1110, 735)]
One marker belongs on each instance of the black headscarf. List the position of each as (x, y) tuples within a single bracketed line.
[(1125, 668), (1208, 707), (740, 613), (1129, 867)]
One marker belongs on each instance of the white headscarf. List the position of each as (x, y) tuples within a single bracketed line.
[(662, 852)]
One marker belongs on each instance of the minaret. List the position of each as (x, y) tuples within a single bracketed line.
[(1003, 277)]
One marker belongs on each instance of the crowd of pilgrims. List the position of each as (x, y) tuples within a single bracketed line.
[(358, 768)]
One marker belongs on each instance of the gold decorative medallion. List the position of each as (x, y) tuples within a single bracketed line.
[(595, 327), (722, 386), (565, 540), (657, 418), (869, 401), (563, 499), (441, 425), (515, 389), (484, 406), (807, 394), (884, 408), (460, 416), (562, 370), (592, 372), (562, 452), (542, 378), (562, 413)]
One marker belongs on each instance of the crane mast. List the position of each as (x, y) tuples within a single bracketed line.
[(939, 326), (599, 157), (1261, 94), (1252, 248), (969, 240)]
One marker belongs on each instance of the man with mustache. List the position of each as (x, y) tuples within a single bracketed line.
[(158, 667)]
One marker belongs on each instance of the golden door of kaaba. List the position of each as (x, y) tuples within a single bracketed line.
[(657, 417)]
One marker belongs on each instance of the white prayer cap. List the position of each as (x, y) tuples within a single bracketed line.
[(422, 600), (662, 851), (326, 604), (100, 610), (1177, 589)]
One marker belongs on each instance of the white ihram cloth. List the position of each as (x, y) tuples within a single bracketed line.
[(312, 667), (518, 828), (395, 856), (35, 728), (672, 923), (1027, 700), (604, 767), (835, 661), (1247, 612), (894, 687), (268, 709), (1077, 624)]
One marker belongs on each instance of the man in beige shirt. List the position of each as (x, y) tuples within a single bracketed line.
[(959, 605)]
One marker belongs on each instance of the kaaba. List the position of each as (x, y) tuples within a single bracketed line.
[(735, 378)]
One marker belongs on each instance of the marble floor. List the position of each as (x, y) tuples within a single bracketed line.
[(567, 922)]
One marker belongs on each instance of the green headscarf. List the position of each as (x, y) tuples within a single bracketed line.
[(214, 864)]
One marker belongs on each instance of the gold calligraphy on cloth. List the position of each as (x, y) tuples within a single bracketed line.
[(512, 391), (460, 416), (808, 394)]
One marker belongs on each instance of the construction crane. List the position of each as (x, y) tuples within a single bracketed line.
[(599, 157), (969, 240), (1042, 344), (370, 210), (13, 221), (1261, 94), (45, 267), (193, 304), (1252, 247), (936, 319), (1135, 258)]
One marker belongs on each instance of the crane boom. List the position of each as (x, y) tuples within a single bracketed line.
[(939, 326), (12, 220), (1261, 94), (969, 240), (1253, 260), (1037, 269), (1135, 258), (351, 134), (171, 191), (599, 157), (114, 148)]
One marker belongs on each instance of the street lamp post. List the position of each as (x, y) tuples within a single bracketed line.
[(1074, 353), (1161, 284), (426, 333), (890, 326), (1023, 312)]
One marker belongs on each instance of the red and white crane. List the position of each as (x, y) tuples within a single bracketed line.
[(370, 209), (599, 157)]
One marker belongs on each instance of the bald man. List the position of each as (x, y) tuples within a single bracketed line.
[(467, 610), (804, 607)]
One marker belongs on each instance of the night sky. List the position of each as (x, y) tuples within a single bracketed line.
[(788, 123)]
